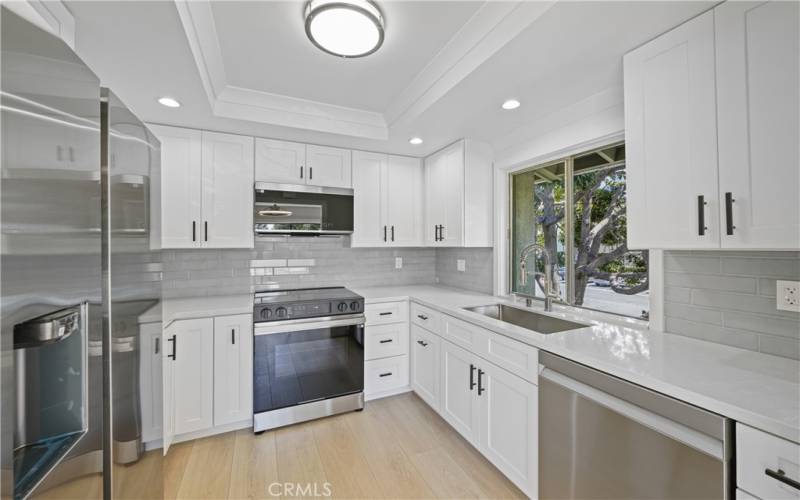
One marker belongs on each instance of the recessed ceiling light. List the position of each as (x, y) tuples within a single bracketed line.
[(415, 141), (169, 102), (511, 104), (344, 28)]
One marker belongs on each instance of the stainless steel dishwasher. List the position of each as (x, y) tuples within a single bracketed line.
[(603, 437)]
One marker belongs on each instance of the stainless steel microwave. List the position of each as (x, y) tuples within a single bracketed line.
[(302, 210)]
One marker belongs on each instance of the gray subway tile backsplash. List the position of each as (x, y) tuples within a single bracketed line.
[(729, 298)]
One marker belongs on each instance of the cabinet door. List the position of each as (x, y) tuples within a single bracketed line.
[(758, 92), (233, 369), (280, 161), (151, 385), (193, 375), (368, 199), (425, 365), (434, 197), (458, 377), (671, 139), (181, 186), (403, 201), (329, 167), (509, 425), (227, 191), (168, 388), (452, 192)]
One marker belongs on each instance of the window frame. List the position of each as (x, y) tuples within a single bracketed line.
[(568, 159)]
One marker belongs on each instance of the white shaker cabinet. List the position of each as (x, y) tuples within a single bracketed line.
[(227, 191), (387, 193), (151, 384), (425, 365), (758, 92), (671, 142), (329, 167), (206, 189), (458, 378), (279, 161), (190, 349), (233, 368), (458, 196)]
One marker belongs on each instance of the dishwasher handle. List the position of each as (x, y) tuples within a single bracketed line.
[(670, 428)]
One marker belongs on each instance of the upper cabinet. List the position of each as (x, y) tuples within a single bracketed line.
[(296, 163), (458, 196), (758, 98), (711, 130), (387, 205), (206, 189)]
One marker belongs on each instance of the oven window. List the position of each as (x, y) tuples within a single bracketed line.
[(300, 367)]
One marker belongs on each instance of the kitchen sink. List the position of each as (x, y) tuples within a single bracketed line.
[(536, 322)]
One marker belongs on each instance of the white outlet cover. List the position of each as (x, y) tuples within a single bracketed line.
[(398, 263), (461, 265), (788, 295)]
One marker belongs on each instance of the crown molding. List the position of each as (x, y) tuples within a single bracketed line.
[(50, 15)]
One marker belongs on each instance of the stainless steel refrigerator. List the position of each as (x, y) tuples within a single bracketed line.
[(80, 274)]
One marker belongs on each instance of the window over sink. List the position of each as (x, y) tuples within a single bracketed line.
[(583, 196)]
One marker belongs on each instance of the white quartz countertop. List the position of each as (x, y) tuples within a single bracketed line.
[(756, 389), (205, 307)]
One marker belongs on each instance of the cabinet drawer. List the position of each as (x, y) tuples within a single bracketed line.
[(382, 375), (383, 341), (757, 452), (518, 358), (387, 312), (460, 333), (425, 317)]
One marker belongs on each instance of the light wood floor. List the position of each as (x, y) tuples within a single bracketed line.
[(396, 448)]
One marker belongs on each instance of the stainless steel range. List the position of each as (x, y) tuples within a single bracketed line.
[(308, 355)]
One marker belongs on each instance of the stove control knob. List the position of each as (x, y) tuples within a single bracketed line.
[(280, 312), (266, 313), (342, 307), (354, 306)]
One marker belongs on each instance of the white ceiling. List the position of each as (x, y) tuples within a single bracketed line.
[(442, 73)]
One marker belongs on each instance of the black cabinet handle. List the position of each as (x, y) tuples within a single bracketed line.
[(701, 215), (205, 230), (436, 233), (471, 376), (233, 336), (310, 173), (729, 201), (385, 341), (441, 232), (780, 475), (384, 233), (194, 231), (481, 389), (392, 233), (174, 354), (385, 374), (385, 314), (301, 171), (423, 344), (422, 317), (158, 346)]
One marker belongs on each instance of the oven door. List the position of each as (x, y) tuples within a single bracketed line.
[(301, 361)]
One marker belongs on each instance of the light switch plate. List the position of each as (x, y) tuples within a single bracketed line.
[(398, 263), (461, 265), (788, 295)]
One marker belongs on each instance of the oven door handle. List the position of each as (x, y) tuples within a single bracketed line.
[(297, 325)]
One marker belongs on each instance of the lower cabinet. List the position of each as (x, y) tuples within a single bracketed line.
[(207, 375), (494, 409)]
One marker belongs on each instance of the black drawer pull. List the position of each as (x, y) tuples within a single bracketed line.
[(481, 389), (385, 341), (471, 376), (385, 314), (174, 354), (422, 317), (423, 344), (701, 215), (385, 374), (729, 201), (781, 476)]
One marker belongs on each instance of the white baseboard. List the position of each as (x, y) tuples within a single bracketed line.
[(386, 394)]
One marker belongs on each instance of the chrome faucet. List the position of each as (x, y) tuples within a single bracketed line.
[(550, 291)]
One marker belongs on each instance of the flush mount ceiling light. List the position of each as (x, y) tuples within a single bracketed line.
[(344, 28), (511, 104), (169, 102), (415, 141)]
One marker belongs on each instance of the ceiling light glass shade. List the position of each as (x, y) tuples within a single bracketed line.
[(169, 102), (344, 28), (415, 141), (511, 104)]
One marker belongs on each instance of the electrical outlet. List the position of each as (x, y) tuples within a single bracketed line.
[(461, 265), (398, 263), (788, 295)]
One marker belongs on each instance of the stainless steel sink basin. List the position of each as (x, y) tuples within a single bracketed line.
[(539, 323)]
